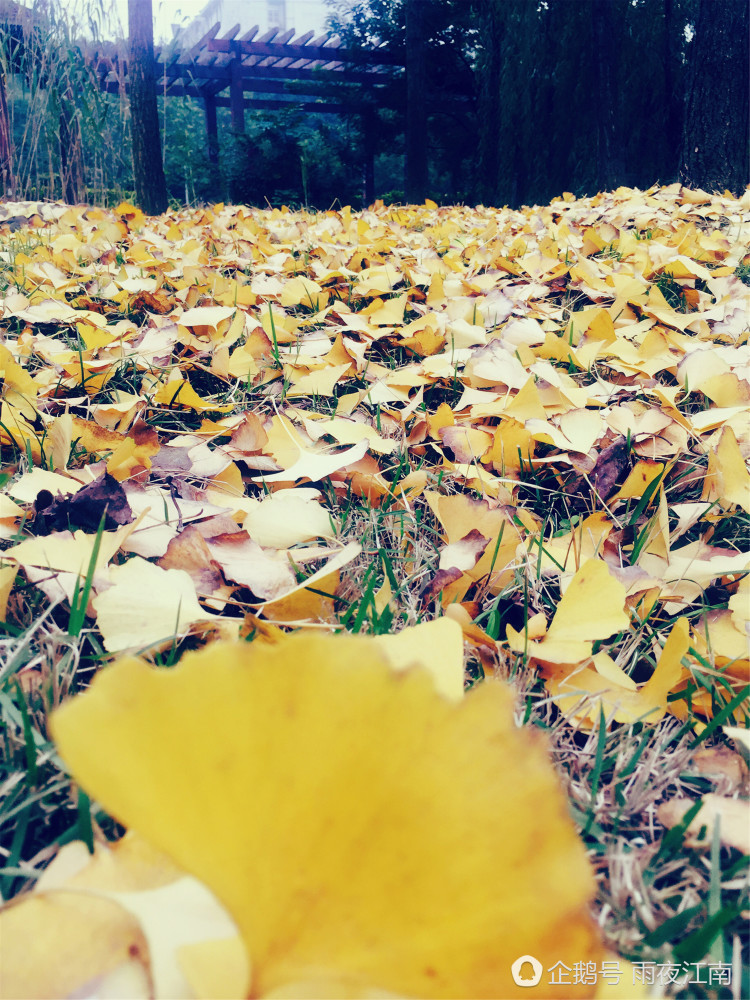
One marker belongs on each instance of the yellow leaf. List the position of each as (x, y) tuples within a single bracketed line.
[(728, 814), (358, 827), (134, 453), (15, 376), (180, 392), (639, 479), (604, 685), (669, 668), (526, 404), (129, 915), (31, 483), (10, 513), (286, 518), (387, 313), (267, 574), (67, 551), (513, 446), (317, 465), (20, 424), (727, 477), (7, 579), (739, 604), (316, 383), (728, 643), (312, 599), (468, 444), (602, 328), (212, 316), (438, 645), (584, 541), (592, 606), (350, 432), (459, 515), (304, 292), (93, 939), (145, 605), (552, 650), (215, 969)]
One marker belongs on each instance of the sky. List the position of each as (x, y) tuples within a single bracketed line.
[(169, 12)]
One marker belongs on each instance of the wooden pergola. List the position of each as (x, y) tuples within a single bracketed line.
[(273, 72)]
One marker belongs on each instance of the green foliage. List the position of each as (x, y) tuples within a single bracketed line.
[(672, 291), (291, 158), (511, 117), (52, 95), (454, 35)]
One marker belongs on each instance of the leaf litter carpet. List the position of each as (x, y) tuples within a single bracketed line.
[(517, 439)]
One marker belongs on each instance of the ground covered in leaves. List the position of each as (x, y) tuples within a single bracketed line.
[(231, 423)]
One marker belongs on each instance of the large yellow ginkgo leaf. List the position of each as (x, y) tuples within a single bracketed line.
[(359, 827), (592, 607)]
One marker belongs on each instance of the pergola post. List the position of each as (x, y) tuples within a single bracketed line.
[(236, 95), (212, 130)]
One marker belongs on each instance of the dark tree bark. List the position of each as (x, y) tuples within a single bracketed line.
[(715, 151), (607, 35), (416, 102), (672, 93), (71, 151), (490, 115), (148, 171)]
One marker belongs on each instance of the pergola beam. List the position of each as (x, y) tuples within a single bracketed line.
[(324, 54), (217, 73), (222, 72)]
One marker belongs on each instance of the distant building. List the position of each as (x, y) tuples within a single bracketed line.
[(283, 15)]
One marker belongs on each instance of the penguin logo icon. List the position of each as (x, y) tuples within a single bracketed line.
[(518, 971)]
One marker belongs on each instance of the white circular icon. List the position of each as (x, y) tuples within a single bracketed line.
[(518, 971)]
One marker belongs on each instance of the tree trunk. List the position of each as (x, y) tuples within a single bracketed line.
[(148, 171), (6, 149), (715, 152), (490, 115), (416, 103), (607, 35), (71, 151), (672, 93)]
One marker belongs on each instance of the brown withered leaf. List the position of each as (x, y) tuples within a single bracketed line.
[(188, 551), (84, 509), (464, 554), (157, 302), (439, 582), (612, 466), (722, 766)]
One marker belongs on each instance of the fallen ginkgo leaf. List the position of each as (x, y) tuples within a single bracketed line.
[(124, 922), (360, 828), (437, 645), (582, 693), (146, 605), (729, 815), (591, 608)]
